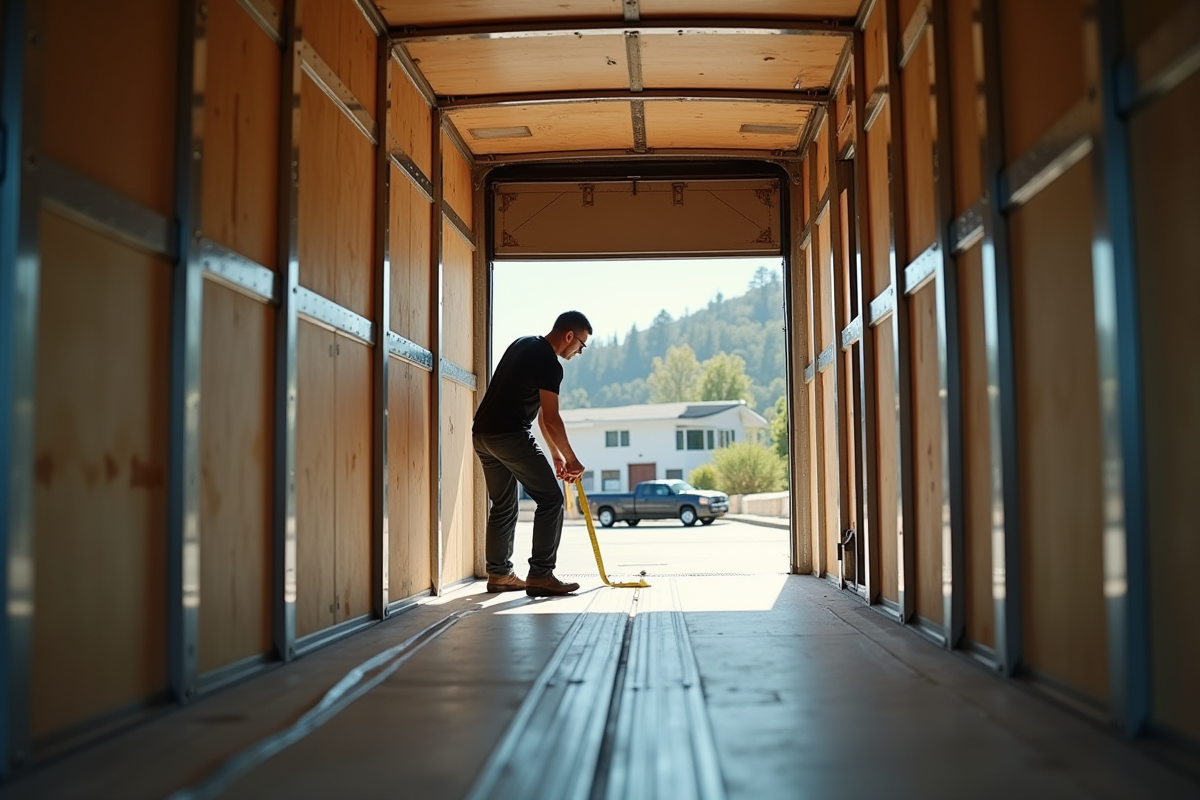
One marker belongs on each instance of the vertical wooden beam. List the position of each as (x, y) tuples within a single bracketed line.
[(906, 527), (840, 379), (796, 314), (380, 356), (435, 341), (23, 30), (187, 315), (1115, 292), (813, 328), (288, 281), (998, 334)]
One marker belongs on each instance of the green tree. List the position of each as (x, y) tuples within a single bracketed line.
[(779, 428), (723, 377), (705, 476), (749, 468), (676, 378), (576, 398)]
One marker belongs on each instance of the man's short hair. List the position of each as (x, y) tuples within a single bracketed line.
[(572, 321)]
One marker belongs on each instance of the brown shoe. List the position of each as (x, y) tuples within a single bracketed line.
[(505, 583), (548, 586)]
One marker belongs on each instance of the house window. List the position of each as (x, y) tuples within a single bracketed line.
[(695, 440), (610, 480), (588, 479), (674, 474), (710, 440), (678, 440), (725, 438), (616, 438)]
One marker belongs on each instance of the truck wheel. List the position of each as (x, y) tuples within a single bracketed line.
[(707, 521), (606, 517), (687, 515), (632, 522)]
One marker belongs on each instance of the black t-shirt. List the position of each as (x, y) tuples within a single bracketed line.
[(512, 399)]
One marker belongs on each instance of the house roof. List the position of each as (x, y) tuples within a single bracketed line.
[(651, 412)]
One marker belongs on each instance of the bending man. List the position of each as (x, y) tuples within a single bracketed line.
[(525, 385)]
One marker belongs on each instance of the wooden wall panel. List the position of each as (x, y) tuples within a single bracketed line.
[(340, 33), (821, 162), (1033, 46), (1141, 18), (1165, 162), (115, 125), (823, 286), (846, 126), (830, 510), (980, 607), (458, 477), (919, 133), (410, 534), (100, 469), (237, 380), (352, 479), (966, 103), (315, 458), (927, 452), (457, 187), (875, 53), (409, 240), (888, 441), (241, 134), (879, 205), (810, 391), (336, 204), (410, 124), (458, 318), (1058, 414), (825, 387)]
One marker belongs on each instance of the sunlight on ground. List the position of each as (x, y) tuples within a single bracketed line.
[(742, 593)]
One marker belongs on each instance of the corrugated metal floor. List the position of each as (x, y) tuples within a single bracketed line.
[(802, 692)]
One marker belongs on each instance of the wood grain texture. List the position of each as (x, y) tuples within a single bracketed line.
[(100, 469), (458, 471), (554, 126), (458, 319), (1165, 163), (117, 124), (341, 35), (887, 443), (409, 529), (966, 103), (919, 140), (241, 135), (409, 240), (821, 160), (875, 49), (236, 390), (739, 61), (713, 124), (1058, 414), (457, 187), (409, 124), (352, 479), (316, 519), (926, 458), (831, 511), (879, 208)]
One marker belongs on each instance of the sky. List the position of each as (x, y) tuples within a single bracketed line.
[(614, 295)]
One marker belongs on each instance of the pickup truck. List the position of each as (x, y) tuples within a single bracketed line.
[(669, 499)]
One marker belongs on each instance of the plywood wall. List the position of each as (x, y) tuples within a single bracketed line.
[(409, 239), (341, 35), (409, 527), (458, 492), (457, 188), (458, 276), (409, 124), (100, 466), (926, 456), (352, 479)]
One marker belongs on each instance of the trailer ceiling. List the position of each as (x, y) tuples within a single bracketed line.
[(525, 80)]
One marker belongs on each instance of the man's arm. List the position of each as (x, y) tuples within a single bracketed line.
[(555, 432)]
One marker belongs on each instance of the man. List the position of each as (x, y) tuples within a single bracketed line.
[(525, 385)]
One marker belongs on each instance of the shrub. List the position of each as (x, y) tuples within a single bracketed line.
[(705, 476), (748, 468)]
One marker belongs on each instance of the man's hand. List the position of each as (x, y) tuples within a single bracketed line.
[(572, 470), (559, 472)]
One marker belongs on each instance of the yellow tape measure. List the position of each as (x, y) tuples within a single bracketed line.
[(587, 516)]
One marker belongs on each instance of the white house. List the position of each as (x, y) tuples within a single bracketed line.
[(627, 444)]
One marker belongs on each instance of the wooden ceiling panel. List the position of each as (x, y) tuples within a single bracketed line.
[(751, 9), (739, 61), (427, 13), (718, 125), (502, 66), (552, 127)]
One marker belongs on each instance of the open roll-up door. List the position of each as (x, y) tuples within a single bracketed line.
[(636, 218)]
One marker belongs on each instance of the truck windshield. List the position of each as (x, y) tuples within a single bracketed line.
[(679, 487)]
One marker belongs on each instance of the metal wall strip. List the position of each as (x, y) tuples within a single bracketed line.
[(451, 131), (382, 311), (633, 11), (324, 311), (409, 351), (1061, 148), (875, 106), (403, 162), (414, 75), (328, 81), (107, 211), (237, 272), (882, 306), (966, 230), (841, 70), (1162, 62), (334, 633), (460, 227), (913, 32), (923, 269), (637, 114), (633, 56), (22, 27), (436, 391), (374, 18), (656, 27), (825, 358), (267, 17), (460, 375), (852, 332), (229, 674), (771, 97), (810, 372)]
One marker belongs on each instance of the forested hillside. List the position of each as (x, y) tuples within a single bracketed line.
[(614, 373)]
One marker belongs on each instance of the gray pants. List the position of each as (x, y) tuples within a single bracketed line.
[(509, 458)]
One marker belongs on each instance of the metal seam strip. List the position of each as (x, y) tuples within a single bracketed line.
[(967, 229), (922, 269), (852, 332), (633, 11), (1167, 58), (403, 162), (825, 358), (460, 375), (637, 113), (1061, 148), (414, 75), (460, 226), (409, 351), (656, 27), (265, 15), (912, 33), (329, 83), (633, 57), (238, 272), (324, 311), (451, 131), (107, 211), (791, 98), (381, 310), (375, 19), (875, 105), (881, 306), (841, 70), (810, 372)]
